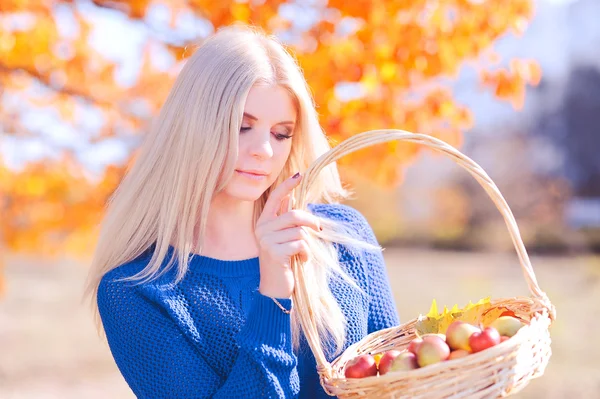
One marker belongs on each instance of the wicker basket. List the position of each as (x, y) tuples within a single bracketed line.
[(496, 372)]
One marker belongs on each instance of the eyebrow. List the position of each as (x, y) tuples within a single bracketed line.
[(254, 118)]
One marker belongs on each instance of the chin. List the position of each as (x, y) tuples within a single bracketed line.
[(243, 193), (246, 197), (243, 190)]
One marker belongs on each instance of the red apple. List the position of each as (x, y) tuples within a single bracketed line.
[(458, 334), (406, 361), (457, 354), (414, 345), (386, 360), (507, 325), (483, 340), (360, 367), (432, 350)]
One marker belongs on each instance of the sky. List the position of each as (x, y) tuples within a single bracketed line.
[(112, 28)]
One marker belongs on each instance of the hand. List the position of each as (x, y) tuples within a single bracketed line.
[(280, 237)]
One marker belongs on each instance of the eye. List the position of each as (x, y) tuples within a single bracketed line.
[(278, 136), (284, 136), (281, 137)]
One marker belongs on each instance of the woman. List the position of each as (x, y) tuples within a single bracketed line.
[(191, 279)]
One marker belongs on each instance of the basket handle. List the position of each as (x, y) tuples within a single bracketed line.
[(365, 139)]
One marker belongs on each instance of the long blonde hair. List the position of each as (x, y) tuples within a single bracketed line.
[(189, 155)]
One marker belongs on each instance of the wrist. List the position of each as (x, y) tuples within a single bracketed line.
[(284, 303), (277, 294)]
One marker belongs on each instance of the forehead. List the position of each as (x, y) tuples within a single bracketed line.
[(270, 104)]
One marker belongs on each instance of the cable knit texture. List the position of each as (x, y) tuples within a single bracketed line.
[(213, 335)]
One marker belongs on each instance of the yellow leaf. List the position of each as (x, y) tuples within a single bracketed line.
[(433, 312), (428, 323), (479, 313), (472, 312), (434, 322), (377, 358), (490, 315)]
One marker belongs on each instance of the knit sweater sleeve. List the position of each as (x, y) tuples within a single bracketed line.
[(383, 312), (158, 360)]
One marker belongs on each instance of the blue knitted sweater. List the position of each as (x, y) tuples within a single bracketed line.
[(213, 335)]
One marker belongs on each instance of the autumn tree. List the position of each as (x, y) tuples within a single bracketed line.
[(370, 63)]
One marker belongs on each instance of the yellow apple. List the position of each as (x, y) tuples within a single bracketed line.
[(507, 326), (458, 334)]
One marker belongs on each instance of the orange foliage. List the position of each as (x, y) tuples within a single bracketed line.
[(395, 55), (48, 207)]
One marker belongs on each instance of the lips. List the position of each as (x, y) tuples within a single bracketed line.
[(253, 172)]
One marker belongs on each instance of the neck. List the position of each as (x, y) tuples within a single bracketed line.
[(230, 230)]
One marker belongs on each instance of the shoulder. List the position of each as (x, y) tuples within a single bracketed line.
[(134, 280), (118, 281), (338, 212), (134, 268), (127, 269), (114, 284)]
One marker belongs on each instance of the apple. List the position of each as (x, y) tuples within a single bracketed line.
[(406, 361), (504, 338), (483, 340), (432, 350), (458, 334), (442, 336), (416, 342), (360, 367), (396, 361), (457, 354), (386, 360), (414, 345), (507, 325)]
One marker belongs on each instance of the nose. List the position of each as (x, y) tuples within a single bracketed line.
[(260, 146)]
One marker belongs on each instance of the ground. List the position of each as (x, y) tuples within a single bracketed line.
[(49, 348)]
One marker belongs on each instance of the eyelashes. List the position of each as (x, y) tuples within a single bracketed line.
[(278, 136)]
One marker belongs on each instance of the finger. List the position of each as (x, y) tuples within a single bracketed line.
[(298, 247), (291, 234), (303, 257), (284, 204), (304, 251), (273, 203), (295, 217)]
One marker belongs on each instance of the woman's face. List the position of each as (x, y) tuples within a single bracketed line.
[(264, 143)]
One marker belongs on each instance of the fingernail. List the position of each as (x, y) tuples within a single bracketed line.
[(296, 175)]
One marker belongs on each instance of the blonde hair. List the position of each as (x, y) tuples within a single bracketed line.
[(189, 155)]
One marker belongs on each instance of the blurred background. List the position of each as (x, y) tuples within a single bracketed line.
[(514, 85)]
